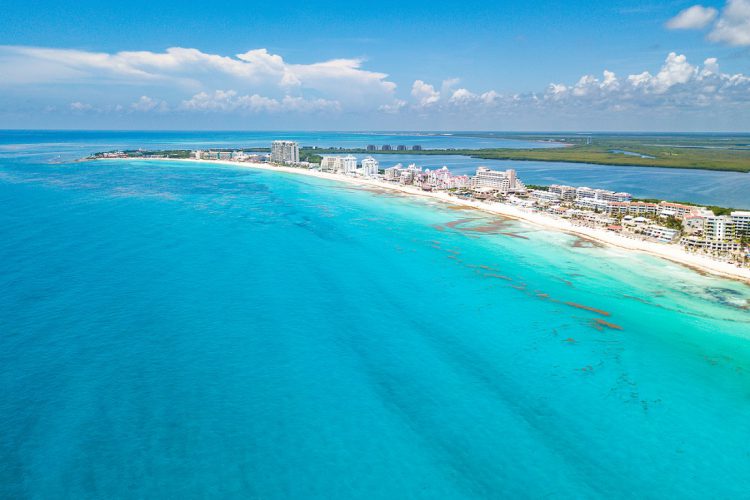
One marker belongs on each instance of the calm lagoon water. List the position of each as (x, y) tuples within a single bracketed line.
[(188, 331)]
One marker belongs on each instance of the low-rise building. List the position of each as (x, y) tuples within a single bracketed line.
[(693, 224), (708, 245), (544, 197), (566, 193), (662, 234), (677, 210)]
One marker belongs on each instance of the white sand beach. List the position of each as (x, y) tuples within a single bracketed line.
[(672, 252)]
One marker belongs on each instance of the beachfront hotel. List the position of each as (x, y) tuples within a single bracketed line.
[(346, 165), (501, 181), (284, 152), (369, 167)]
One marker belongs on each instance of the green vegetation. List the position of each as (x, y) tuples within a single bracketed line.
[(672, 223), (308, 155), (538, 188), (167, 153)]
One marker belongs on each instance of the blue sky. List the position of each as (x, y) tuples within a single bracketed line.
[(376, 65)]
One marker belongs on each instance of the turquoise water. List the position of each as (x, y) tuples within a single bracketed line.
[(172, 330)]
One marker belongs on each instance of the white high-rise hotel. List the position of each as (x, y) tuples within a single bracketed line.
[(339, 164), (504, 181), (369, 167), (284, 152)]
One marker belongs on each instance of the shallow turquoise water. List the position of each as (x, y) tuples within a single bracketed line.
[(187, 331)]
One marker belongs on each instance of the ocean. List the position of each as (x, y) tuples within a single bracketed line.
[(189, 331)]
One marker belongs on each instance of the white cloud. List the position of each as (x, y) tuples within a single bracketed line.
[(146, 104), (230, 101), (676, 84), (188, 70), (425, 93), (462, 96), (80, 106), (695, 17), (733, 26), (394, 107)]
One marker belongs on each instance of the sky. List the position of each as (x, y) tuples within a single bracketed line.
[(386, 65)]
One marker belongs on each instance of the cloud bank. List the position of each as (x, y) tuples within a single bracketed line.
[(187, 81)]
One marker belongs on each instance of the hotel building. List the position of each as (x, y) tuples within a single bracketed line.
[(502, 181), (741, 221), (369, 167), (284, 152)]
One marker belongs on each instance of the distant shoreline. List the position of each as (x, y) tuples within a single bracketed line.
[(571, 153), (670, 252)]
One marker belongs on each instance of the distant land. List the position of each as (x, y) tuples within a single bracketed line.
[(701, 151), (697, 151)]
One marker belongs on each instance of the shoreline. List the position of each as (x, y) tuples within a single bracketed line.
[(671, 252)]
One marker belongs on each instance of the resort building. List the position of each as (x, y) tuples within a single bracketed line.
[(584, 192), (544, 197), (693, 224), (718, 246), (596, 205), (369, 167), (501, 181), (339, 164), (348, 165), (393, 173), (662, 234), (443, 179), (328, 163), (677, 210), (720, 227), (284, 152), (566, 193), (741, 221)]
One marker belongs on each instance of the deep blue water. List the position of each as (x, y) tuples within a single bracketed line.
[(173, 330)]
